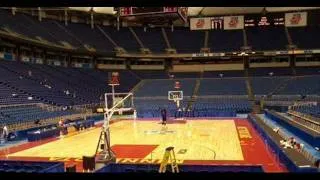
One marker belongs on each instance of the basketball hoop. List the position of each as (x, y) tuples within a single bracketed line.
[(114, 103), (175, 96)]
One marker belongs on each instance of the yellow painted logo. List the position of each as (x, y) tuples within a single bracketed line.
[(244, 132)]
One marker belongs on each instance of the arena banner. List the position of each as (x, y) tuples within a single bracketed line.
[(296, 19), (316, 51), (216, 54), (208, 54), (233, 22), (200, 23), (281, 52), (308, 51)]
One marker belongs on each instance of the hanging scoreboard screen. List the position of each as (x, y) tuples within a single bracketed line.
[(136, 11), (153, 14), (275, 19)]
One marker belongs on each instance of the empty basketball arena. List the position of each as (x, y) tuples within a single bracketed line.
[(159, 89)]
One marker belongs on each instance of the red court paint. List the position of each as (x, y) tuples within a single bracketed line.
[(255, 150), (132, 151)]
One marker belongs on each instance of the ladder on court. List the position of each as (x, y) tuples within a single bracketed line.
[(169, 157)]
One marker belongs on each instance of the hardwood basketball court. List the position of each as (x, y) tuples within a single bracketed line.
[(205, 141)]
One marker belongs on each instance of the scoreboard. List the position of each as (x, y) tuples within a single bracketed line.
[(151, 14), (275, 19), (135, 11)]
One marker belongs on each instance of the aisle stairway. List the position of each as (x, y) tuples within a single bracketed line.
[(194, 94)]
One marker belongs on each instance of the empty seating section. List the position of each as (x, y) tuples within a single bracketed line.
[(152, 74), (222, 86), (34, 85), (267, 38), (225, 41), (310, 110), (127, 81), (150, 108), (312, 98), (308, 70), (49, 30), (305, 37), (75, 80), (151, 38), (185, 41), (302, 86), (275, 71), (217, 74), (96, 76), (28, 113), (59, 31), (124, 38), (17, 24), (161, 87), (222, 106), (186, 75), (266, 85), (10, 95), (92, 37), (281, 97), (40, 30), (50, 84)]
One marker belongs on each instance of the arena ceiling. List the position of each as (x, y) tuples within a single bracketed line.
[(209, 11)]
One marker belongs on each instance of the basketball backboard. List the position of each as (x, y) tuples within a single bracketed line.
[(175, 95)]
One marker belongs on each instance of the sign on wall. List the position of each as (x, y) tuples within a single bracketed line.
[(233, 22), (296, 19), (217, 23), (25, 58), (200, 23)]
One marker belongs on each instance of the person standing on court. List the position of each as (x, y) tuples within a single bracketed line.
[(164, 116)]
